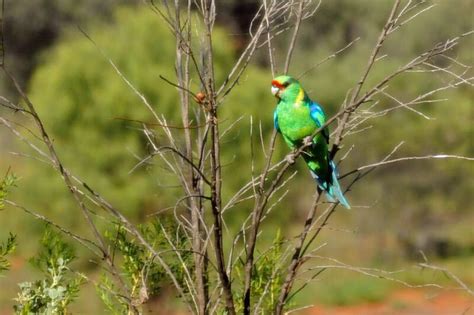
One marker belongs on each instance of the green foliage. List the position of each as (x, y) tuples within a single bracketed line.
[(53, 250), (5, 185), (145, 276), (267, 278), (33, 26), (106, 292), (5, 249), (9, 246), (53, 294), (48, 296)]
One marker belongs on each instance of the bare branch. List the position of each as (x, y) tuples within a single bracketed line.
[(299, 16), (333, 55), (408, 158), (87, 243), (450, 275)]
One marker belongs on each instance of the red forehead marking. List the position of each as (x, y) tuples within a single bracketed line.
[(277, 84)]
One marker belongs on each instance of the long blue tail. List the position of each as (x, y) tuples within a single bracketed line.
[(333, 192)]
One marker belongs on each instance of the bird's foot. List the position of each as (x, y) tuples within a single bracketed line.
[(307, 141), (290, 158)]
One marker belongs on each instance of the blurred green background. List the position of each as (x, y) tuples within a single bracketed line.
[(398, 210)]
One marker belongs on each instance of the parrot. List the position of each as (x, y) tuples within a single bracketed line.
[(297, 118)]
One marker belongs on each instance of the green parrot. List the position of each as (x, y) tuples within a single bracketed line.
[(297, 118)]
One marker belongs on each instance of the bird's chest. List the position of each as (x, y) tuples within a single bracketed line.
[(295, 121)]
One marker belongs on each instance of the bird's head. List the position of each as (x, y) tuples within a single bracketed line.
[(284, 87)]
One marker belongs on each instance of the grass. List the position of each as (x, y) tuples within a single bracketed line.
[(341, 287)]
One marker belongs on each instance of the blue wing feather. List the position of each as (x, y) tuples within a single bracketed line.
[(316, 112), (318, 117), (275, 121)]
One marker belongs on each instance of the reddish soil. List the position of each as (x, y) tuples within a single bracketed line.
[(406, 302)]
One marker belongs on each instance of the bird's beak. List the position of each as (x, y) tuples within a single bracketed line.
[(275, 90)]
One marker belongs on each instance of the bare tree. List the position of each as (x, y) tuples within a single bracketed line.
[(210, 286)]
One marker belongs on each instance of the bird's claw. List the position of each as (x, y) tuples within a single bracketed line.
[(307, 141), (290, 158)]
